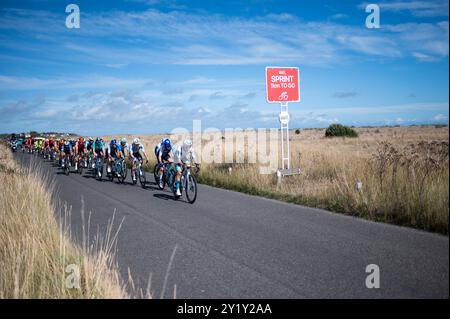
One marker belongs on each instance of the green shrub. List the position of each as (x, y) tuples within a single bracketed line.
[(340, 130), (297, 131)]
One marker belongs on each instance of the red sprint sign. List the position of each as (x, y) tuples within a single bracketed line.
[(282, 84)]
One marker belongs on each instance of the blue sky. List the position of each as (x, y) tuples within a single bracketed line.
[(147, 66)]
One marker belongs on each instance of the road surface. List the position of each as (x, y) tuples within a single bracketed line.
[(232, 245)]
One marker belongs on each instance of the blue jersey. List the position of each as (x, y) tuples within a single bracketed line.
[(114, 150), (66, 148), (163, 151)]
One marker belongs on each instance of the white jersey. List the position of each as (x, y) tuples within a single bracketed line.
[(185, 156), (135, 148)]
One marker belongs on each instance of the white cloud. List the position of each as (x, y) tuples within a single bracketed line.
[(429, 8), (440, 117), (176, 37)]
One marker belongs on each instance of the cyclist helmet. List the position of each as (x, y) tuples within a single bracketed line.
[(81, 140), (167, 143), (136, 141), (97, 140), (123, 141), (187, 143), (113, 142)]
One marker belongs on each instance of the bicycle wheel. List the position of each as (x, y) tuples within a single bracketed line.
[(191, 189), (123, 171), (142, 178), (99, 170), (156, 172), (80, 167)]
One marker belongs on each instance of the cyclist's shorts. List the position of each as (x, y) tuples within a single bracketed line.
[(113, 155), (138, 156), (98, 151), (165, 157)]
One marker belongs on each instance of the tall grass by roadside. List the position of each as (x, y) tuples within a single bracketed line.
[(400, 185), (37, 257)]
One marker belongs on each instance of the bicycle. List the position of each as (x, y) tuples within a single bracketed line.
[(79, 163), (65, 164), (118, 169), (88, 161), (188, 184), (99, 168), (168, 175), (138, 172)]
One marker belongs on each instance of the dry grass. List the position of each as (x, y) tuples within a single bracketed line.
[(36, 249), (403, 171)]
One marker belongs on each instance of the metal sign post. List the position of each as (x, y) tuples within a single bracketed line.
[(285, 148)]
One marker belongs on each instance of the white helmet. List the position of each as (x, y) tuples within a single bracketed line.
[(123, 140), (136, 141), (187, 144)]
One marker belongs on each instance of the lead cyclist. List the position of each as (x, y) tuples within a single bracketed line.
[(183, 155)]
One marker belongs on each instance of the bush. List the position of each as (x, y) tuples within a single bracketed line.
[(340, 130), (297, 131)]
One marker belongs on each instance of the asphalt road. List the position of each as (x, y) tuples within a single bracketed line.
[(232, 245)]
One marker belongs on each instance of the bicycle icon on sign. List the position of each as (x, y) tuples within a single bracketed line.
[(283, 97)]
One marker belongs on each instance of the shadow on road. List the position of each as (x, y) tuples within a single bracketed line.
[(163, 196)]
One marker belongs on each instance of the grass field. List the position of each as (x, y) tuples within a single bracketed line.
[(402, 173), (37, 257)]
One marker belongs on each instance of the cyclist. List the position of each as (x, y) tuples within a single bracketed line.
[(46, 146), (183, 155), (157, 148), (60, 145), (79, 151), (51, 147), (113, 152), (164, 155), (89, 144), (38, 144), (66, 150), (137, 152), (28, 144), (124, 147), (99, 148)]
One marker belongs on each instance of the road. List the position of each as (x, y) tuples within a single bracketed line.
[(232, 245)]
